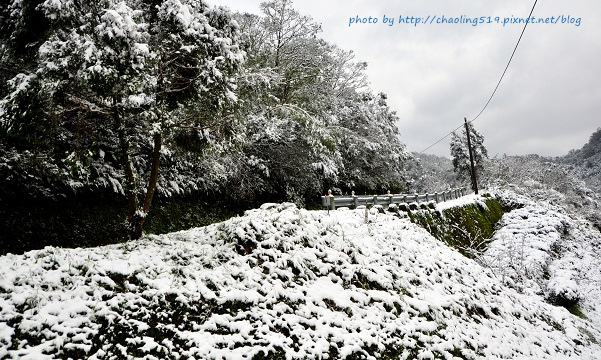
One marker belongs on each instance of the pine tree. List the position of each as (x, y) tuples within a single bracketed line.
[(461, 157)]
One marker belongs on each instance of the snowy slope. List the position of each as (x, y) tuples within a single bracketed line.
[(278, 282), (540, 248)]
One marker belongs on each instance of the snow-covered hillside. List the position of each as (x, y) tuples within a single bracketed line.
[(586, 162), (279, 282), (542, 248)]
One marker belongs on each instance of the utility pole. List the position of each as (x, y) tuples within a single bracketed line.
[(473, 168)]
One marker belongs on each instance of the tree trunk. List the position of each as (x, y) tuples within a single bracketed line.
[(130, 185), (140, 219)]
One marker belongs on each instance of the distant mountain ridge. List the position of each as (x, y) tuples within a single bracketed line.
[(587, 161)]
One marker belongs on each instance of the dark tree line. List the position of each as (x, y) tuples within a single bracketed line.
[(162, 97)]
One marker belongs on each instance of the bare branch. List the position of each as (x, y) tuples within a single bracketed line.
[(86, 105)]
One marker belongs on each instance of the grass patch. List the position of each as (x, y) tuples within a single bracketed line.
[(577, 311), (464, 228)]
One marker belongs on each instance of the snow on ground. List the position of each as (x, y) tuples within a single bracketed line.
[(278, 282), (461, 201), (541, 249)]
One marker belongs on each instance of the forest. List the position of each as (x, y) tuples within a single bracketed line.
[(161, 115), (119, 118)]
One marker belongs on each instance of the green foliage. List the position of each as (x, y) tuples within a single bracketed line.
[(575, 310), (73, 221), (465, 228), (187, 211), (461, 157)]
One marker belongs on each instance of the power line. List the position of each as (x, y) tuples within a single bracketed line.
[(496, 87), (506, 67), (441, 139)]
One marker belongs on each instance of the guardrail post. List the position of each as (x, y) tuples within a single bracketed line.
[(330, 202), (375, 199), (355, 199), (417, 198), (389, 197)]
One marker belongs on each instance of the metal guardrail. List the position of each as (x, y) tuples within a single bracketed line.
[(331, 202)]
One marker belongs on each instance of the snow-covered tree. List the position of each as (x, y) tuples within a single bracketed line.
[(461, 156), (368, 139), (287, 32), (121, 79), (313, 122), (22, 27), (428, 173), (586, 161)]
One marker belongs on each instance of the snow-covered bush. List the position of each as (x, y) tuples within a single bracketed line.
[(277, 282), (562, 289)]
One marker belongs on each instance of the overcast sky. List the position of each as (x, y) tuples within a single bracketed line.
[(435, 75)]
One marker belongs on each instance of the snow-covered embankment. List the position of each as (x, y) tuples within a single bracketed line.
[(278, 280)]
